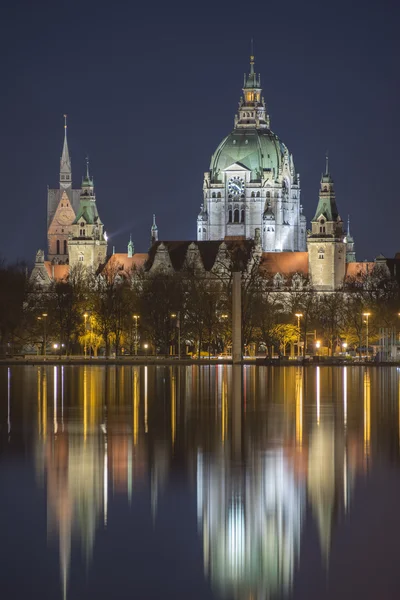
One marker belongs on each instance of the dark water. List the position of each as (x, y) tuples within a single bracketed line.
[(199, 483)]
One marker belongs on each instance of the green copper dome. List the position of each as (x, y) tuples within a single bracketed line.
[(257, 149)]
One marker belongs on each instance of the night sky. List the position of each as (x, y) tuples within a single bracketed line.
[(151, 89)]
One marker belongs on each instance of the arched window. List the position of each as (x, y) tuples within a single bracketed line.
[(219, 195), (242, 215), (321, 253), (253, 195), (236, 215), (322, 229), (65, 246), (204, 229), (213, 195), (84, 232), (258, 195), (58, 246), (230, 216), (268, 194)]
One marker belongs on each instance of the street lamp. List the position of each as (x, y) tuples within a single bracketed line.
[(344, 346), (85, 317), (298, 315), (136, 317), (177, 316), (367, 315)]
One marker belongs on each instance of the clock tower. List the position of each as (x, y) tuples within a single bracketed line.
[(252, 183), (62, 205)]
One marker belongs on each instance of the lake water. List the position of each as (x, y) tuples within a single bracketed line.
[(199, 482)]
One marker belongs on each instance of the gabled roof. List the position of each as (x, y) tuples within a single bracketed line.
[(286, 263), (239, 248)]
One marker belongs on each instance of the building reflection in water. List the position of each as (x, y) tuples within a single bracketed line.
[(260, 444)]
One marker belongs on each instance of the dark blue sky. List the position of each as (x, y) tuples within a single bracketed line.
[(152, 88)]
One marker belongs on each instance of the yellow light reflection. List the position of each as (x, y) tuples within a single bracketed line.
[(367, 413), (318, 394), (44, 404), (173, 406), (299, 406), (55, 398), (224, 404), (345, 396), (145, 399), (84, 403), (135, 407), (39, 400)]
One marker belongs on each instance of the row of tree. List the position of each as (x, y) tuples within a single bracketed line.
[(115, 314)]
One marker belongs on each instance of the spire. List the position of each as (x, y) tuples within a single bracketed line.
[(65, 162), (348, 226), (327, 163), (131, 248), (154, 231), (87, 181), (252, 58)]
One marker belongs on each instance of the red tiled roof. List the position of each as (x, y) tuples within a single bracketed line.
[(124, 263), (56, 272), (286, 263), (357, 269)]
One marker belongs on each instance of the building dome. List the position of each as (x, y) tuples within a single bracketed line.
[(257, 149)]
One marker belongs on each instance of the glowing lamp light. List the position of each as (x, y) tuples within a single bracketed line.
[(145, 346), (318, 344), (55, 346)]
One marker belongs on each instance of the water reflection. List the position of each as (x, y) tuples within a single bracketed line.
[(270, 455)]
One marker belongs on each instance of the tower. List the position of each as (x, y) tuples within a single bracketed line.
[(62, 204), (350, 248), (251, 183), (131, 247), (326, 245), (87, 244), (154, 231)]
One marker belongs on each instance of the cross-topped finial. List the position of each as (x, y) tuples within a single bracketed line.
[(327, 163), (87, 166), (65, 121)]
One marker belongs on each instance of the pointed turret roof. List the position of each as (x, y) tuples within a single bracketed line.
[(87, 205), (251, 81), (65, 161), (327, 199)]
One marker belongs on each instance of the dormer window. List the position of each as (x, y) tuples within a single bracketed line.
[(321, 253)]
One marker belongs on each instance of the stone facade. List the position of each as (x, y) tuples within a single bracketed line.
[(326, 242)]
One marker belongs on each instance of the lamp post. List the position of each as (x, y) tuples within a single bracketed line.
[(85, 317), (44, 315), (136, 318), (177, 316), (298, 315), (367, 315)]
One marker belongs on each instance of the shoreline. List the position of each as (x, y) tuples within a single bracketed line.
[(148, 360)]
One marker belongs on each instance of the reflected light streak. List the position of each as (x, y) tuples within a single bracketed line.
[(62, 398), (105, 478), (135, 407), (345, 396), (318, 394), (367, 413), (173, 407), (39, 399), (145, 399), (9, 400), (55, 398), (84, 403), (44, 404), (299, 406)]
